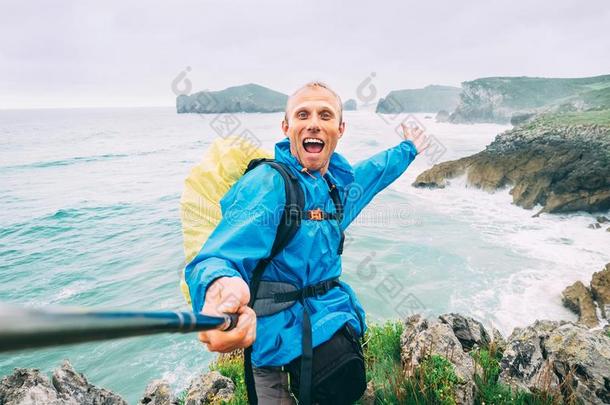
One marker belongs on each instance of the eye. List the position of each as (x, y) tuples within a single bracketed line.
[(302, 115), (326, 115)]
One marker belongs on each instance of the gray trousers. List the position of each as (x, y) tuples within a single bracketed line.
[(272, 386)]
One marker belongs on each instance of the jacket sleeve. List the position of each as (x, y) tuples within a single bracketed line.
[(250, 214), (373, 175)]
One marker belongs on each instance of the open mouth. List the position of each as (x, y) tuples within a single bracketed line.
[(313, 145)]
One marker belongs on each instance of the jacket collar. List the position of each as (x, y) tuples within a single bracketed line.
[(339, 172)]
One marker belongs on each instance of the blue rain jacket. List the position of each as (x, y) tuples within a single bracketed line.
[(245, 236)]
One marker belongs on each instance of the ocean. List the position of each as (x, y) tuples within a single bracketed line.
[(90, 218)]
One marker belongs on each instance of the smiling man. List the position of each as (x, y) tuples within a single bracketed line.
[(309, 325)]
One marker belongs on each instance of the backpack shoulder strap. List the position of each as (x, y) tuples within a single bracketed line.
[(290, 219), (286, 229)]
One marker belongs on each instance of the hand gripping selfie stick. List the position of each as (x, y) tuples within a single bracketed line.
[(22, 328)]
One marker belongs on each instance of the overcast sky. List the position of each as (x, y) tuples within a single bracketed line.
[(127, 53)]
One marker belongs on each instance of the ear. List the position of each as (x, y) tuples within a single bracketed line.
[(285, 127), (341, 128)]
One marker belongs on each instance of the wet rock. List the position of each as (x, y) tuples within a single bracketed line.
[(422, 338), (563, 168), (602, 219), (209, 388), (440, 174), (28, 386), (600, 288), (469, 331), (562, 358), (73, 386), (157, 392), (578, 299)]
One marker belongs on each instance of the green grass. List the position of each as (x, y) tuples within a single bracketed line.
[(432, 382), (382, 356), (490, 391), (233, 367), (598, 117)]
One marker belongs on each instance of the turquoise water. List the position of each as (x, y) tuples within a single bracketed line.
[(90, 219)]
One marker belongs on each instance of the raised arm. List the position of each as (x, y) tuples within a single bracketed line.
[(374, 174)]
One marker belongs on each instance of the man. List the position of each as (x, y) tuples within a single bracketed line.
[(218, 277)]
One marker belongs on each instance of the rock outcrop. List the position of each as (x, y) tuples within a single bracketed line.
[(581, 299), (245, 98), (158, 392), (451, 336), (564, 359), (550, 162), (468, 331), (578, 298), (29, 386), (209, 388), (600, 288)]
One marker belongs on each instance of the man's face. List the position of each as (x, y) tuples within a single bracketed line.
[(313, 126)]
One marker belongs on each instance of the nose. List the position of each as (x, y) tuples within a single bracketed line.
[(313, 125)]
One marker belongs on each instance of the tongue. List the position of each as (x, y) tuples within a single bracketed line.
[(313, 147)]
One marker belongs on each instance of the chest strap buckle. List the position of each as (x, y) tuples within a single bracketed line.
[(316, 215)]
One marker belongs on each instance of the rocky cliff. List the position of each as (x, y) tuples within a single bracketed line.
[(431, 98), (561, 162), (497, 99)]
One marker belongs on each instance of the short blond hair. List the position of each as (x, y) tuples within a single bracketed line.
[(316, 85)]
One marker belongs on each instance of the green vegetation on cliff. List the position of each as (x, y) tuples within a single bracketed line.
[(591, 117), (497, 99), (432, 382)]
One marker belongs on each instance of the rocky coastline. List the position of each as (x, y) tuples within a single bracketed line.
[(565, 362), (560, 162), (449, 359)]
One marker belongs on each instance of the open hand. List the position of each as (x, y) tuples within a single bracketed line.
[(415, 135)]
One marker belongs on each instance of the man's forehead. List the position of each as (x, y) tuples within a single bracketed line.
[(308, 95)]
